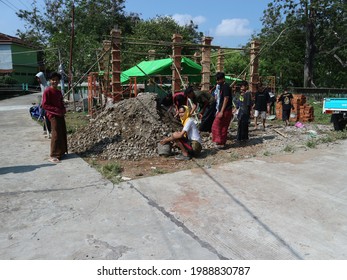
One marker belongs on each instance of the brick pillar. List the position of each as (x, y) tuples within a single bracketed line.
[(220, 61), (116, 83), (176, 55), (206, 64), (105, 66), (254, 66)]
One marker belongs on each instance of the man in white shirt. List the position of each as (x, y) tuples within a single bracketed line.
[(188, 139)]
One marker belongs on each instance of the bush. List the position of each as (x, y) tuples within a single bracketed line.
[(7, 80)]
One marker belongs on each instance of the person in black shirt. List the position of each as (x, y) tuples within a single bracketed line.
[(224, 111), (287, 104), (243, 105), (261, 105)]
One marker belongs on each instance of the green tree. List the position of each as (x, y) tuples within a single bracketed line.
[(156, 34), (51, 29), (313, 36)]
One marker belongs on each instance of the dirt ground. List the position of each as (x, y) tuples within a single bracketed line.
[(274, 140), (128, 133)]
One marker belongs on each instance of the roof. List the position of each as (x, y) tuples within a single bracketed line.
[(7, 39), (162, 67)]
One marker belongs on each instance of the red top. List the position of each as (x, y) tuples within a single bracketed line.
[(53, 103)]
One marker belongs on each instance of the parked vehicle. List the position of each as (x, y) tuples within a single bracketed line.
[(337, 107)]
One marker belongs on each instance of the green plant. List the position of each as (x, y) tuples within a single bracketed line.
[(111, 171), (267, 153), (234, 156), (289, 149), (311, 144), (158, 171)]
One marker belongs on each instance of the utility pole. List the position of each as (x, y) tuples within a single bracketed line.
[(71, 51)]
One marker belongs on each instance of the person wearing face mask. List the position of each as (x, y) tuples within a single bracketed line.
[(224, 112), (188, 140)]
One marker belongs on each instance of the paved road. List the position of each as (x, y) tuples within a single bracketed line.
[(279, 207)]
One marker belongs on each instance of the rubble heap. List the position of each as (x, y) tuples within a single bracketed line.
[(128, 130)]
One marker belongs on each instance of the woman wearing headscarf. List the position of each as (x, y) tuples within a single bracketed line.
[(41, 79), (188, 139)]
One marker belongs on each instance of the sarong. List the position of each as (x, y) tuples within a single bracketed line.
[(220, 127), (59, 138)]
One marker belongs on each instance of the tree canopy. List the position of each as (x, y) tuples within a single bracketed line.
[(312, 49)]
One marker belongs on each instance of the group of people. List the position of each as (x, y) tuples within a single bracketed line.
[(216, 110), (53, 114)]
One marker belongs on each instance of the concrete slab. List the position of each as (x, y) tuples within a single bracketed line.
[(279, 207)]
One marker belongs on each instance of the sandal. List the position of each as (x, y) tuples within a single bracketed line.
[(54, 160)]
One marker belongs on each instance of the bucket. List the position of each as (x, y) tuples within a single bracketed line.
[(164, 150), (292, 115)]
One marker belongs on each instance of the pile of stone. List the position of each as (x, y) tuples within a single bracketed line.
[(128, 130)]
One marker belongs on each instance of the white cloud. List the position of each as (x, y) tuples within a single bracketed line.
[(185, 19), (233, 27)]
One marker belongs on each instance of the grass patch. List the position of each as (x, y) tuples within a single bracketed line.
[(267, 153), (289, 149), (110, 170), (234, 156), (158, 171), (319, 117), (311, 144), (75, 121)]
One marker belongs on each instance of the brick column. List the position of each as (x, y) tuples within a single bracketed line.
[(176, 55), (254, 66), (220, 61), (116, 83), (206, 64)]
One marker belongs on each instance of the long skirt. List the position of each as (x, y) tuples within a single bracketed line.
[(59, 138), (208, 118), (220, 127), (242, 128)]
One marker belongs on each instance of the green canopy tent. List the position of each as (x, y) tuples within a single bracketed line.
[(161, 67)]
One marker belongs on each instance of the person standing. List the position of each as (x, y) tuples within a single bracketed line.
[(41, 79), (204, 103), (261, 105), (287, 105), (224, 111), (244, 106), (53, 103)]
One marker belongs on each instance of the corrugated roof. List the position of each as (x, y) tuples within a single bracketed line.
[(7, 39)]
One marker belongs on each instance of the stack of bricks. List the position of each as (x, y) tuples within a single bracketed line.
[(302, 112)]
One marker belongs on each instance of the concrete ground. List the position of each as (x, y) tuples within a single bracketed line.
[(283, 207)]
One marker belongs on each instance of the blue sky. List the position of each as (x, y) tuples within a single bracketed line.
[(229, 22)]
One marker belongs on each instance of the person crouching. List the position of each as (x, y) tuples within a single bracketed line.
[(188, 139)]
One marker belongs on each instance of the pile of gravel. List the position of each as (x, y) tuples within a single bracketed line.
[(128, 130)]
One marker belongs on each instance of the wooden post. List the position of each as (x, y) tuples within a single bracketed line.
[(116, 71), (254, 66), (176, 55), (206, 64)]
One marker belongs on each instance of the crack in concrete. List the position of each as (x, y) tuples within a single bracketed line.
[(180, 224), (45, 190)]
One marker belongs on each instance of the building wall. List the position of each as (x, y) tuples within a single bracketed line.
[(24, 61)]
